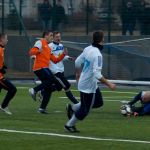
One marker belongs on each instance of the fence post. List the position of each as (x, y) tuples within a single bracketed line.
[(3, 17), (20, 14), (87, 17), (54, 2), (109, 36), (109, 20)]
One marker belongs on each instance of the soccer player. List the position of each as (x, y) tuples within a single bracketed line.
[(88, 77), (58, 69), (144, 109), (5, 83), (43, 55)]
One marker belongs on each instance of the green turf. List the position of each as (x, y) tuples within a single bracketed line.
[(106, 122)]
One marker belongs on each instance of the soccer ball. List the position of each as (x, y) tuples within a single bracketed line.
[(126, 110), (123, 110)]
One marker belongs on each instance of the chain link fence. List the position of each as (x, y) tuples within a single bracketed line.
[(24, 20)]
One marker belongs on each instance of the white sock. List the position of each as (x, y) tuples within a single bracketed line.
[(72, 121), (76, 107)]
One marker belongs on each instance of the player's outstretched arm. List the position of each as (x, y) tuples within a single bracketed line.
[(112, 86)]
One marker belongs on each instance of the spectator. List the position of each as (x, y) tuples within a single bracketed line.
[(45, 14), (58, 16), (128, 18), (144, 17)]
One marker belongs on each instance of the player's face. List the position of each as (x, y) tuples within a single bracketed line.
[(4, 40), (57, 38), (49, 37)]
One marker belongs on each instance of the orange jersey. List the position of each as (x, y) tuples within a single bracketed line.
[(43, 56), (1, 60)]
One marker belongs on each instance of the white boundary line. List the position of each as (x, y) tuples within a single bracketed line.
[(101, 91), (121, 92), (75, 136), (124, 82), (109, 99)]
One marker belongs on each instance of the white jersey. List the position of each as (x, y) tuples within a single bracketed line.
[(57, 49), (91, 59)]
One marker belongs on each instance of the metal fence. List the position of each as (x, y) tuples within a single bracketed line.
[(80, 16), (22, 19)]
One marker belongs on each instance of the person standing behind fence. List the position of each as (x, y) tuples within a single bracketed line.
[(128, 17), (5, 83), (44, 10), (144, 17), (58, 16)]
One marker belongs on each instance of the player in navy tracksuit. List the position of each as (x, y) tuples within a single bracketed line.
[(144, 98)]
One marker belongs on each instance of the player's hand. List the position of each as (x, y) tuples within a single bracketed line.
[(4, 67), (65, 51), (112, 86), (72, 58), (78, 72), (3, 70), (33, 57), (77, 76)]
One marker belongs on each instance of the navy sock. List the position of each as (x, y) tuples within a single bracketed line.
[(71, 97), (135, 99)]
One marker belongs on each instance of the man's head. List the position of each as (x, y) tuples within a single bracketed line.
[(98, 37), (59, 2), (46, 1), (56, 36), (129, 4), (48, 36), (3, 39)]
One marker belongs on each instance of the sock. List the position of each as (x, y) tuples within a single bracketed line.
[(72, 121), (136, 98), (76, 107), (71, 97)]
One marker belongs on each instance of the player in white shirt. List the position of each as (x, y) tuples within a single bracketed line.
[(58, 69), (90, 96)]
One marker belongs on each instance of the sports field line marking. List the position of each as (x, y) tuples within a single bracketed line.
[(75, 136), (78, 91), (113, 92), (108, 98)]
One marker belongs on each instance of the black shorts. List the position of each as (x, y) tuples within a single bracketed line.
[(45, 75), (62, 80), (6, 85), (89, 101)]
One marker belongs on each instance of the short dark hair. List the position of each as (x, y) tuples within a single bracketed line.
[(2, 35), (46, 33), (55, 32), (98, 36)]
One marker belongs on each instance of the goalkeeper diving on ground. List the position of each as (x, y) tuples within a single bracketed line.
[(131, 108)]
